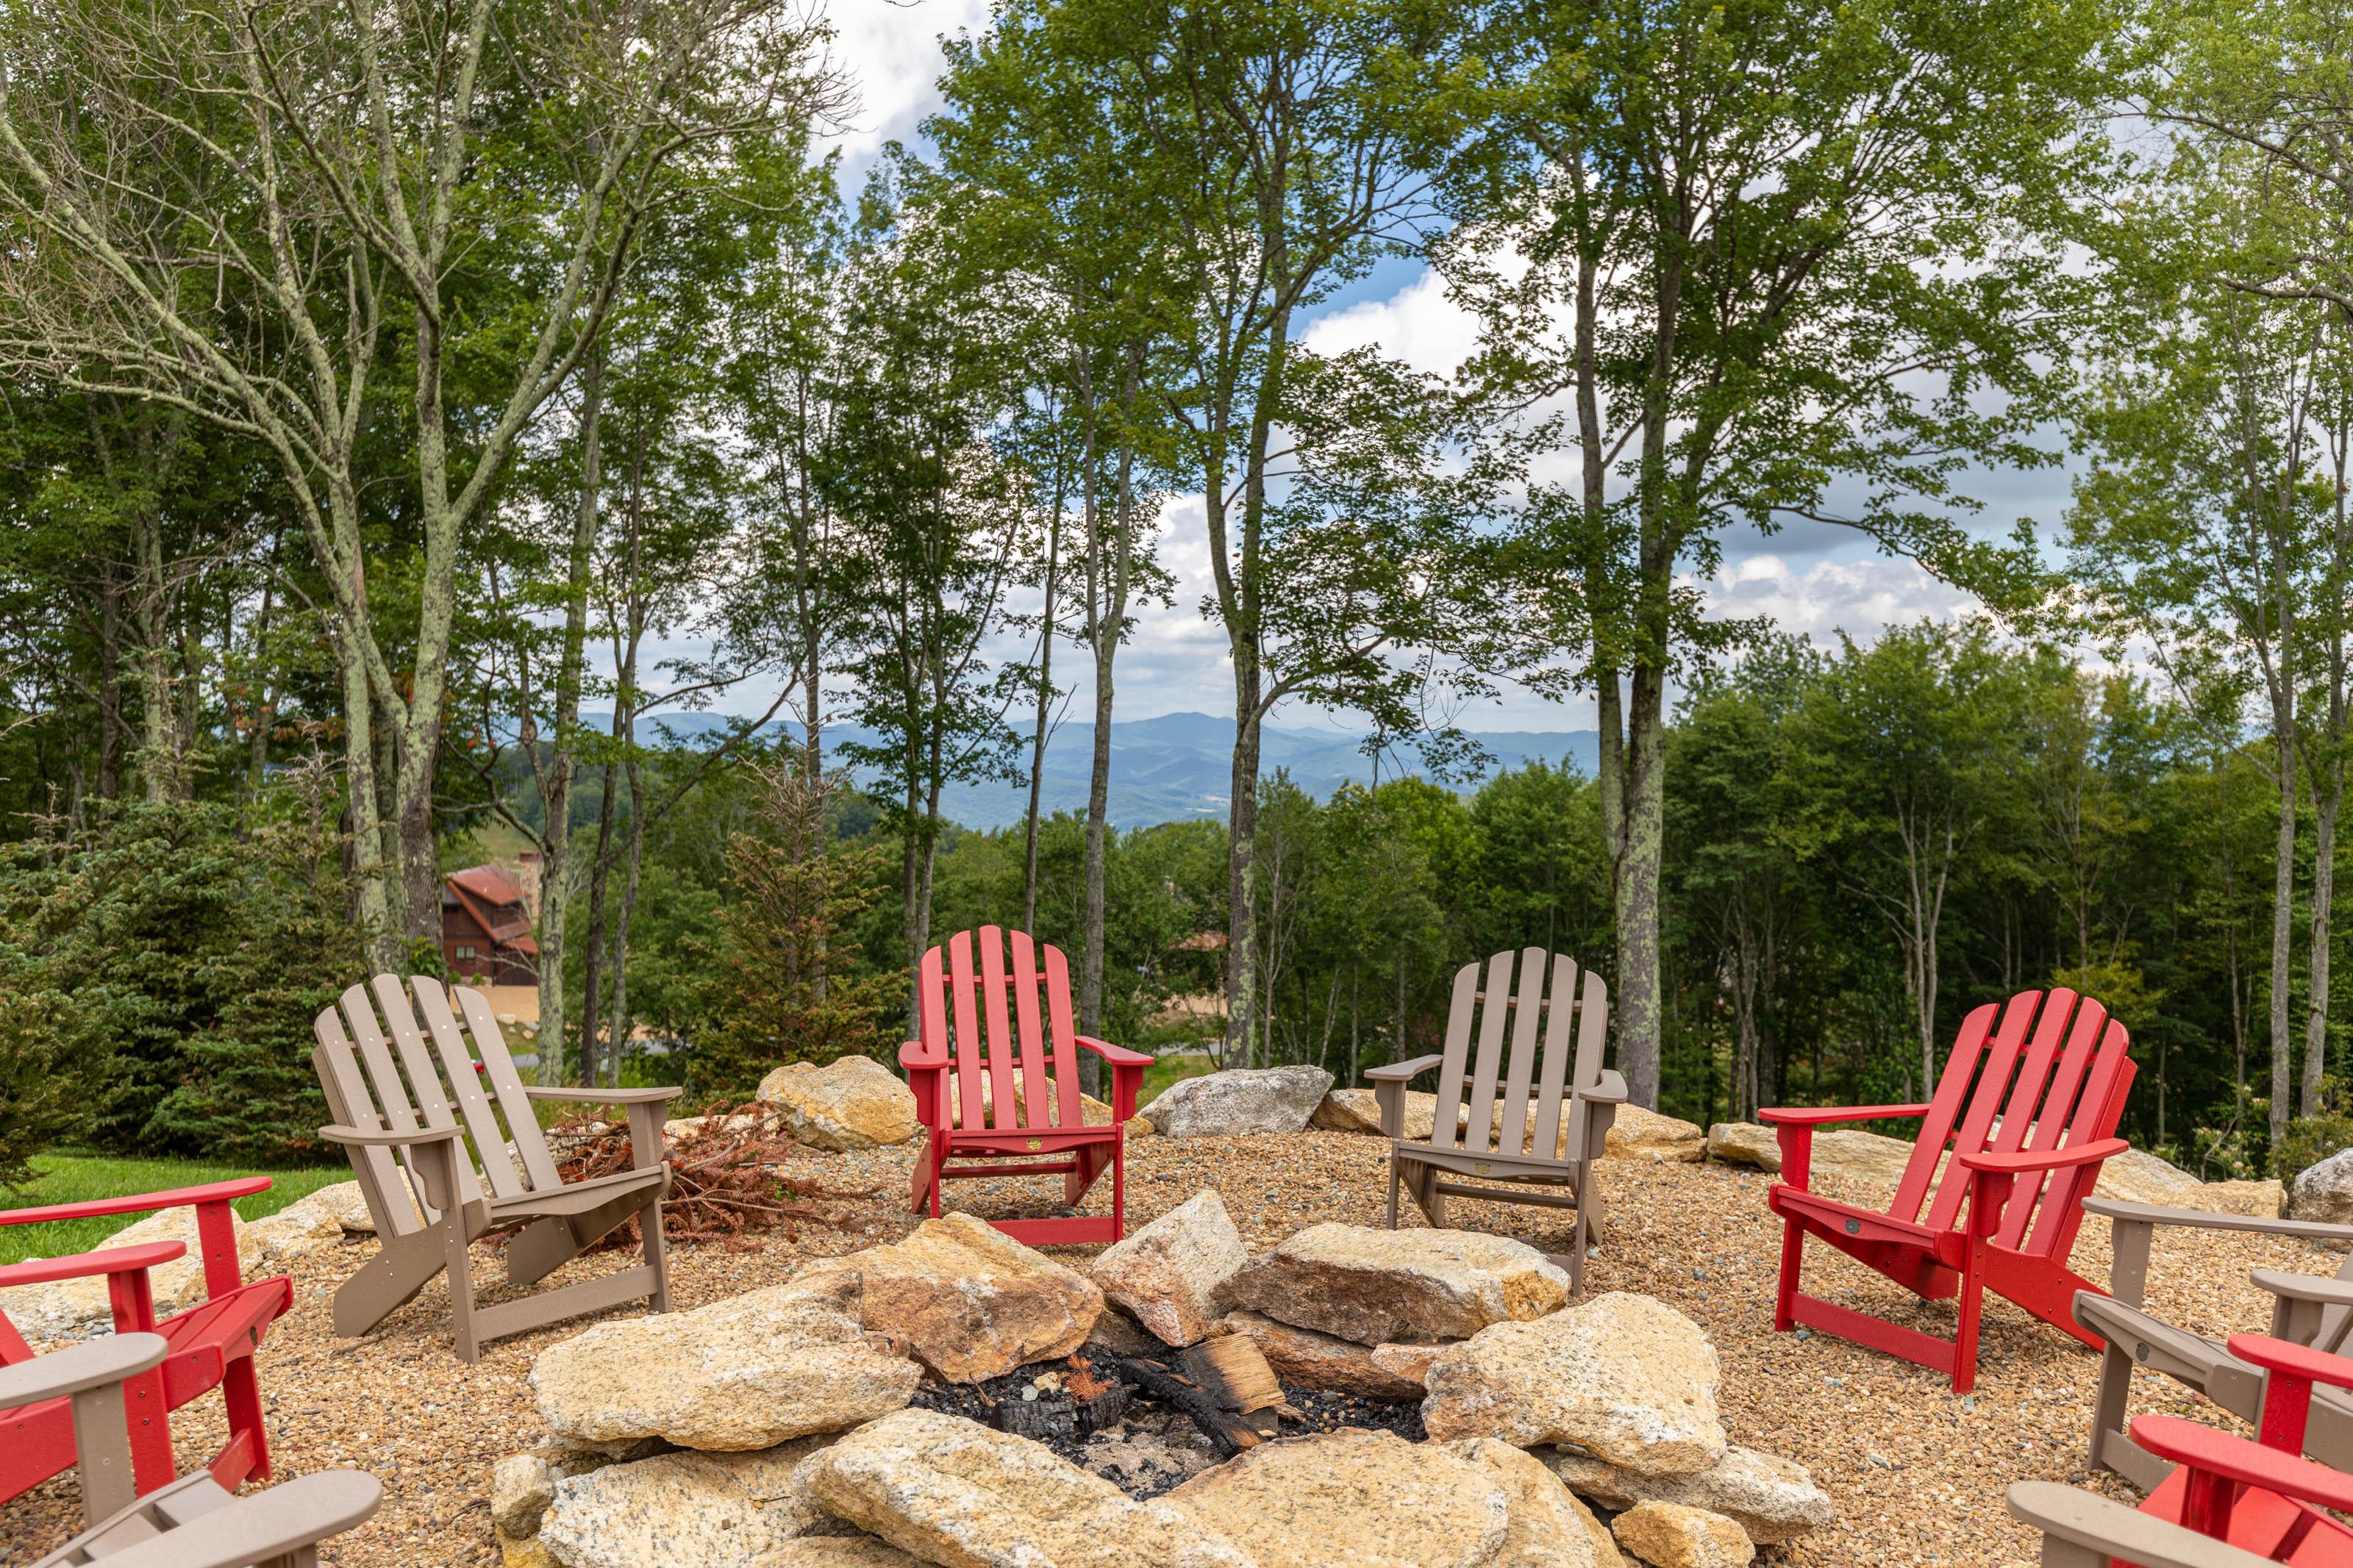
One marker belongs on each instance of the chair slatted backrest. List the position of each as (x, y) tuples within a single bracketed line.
[(1510, 1068), (1004, 1024), (391, 1071), (2021, 1079)]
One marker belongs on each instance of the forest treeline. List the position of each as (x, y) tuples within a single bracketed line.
[(389, 395)]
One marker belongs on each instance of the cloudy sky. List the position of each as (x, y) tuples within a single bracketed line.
[(1815, 579)]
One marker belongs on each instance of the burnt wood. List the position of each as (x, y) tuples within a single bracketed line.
[(1227, 1431)]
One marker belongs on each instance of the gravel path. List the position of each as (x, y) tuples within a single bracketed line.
[(1916, 1475)]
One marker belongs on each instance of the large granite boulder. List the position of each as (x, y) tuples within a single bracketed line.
[(838, 1551), (1239, 1100), (2323, 1192), (1549, 1528), (1744, 1143), (522, 1488), (1301, 1358), (2138, 1176), (40, 1311), (1169, 1274), (746, 1372), (960, 1495), (968, 1301), (853, 1103), (1638, 1133), (1378, 1287), (1672, 1535), (1370, 1500), (1359, 1111), (1773, 1499), (1624, 1377), (683, 1510)]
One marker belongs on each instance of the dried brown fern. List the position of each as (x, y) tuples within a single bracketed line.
[(726, 1184)]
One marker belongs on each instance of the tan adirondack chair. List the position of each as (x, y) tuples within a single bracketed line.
[(2082, 1529), (458, 1201), (1508, 1133), (192, 1522), (2309, 1310)]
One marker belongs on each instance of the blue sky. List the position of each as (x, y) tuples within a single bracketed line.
[(1816, 579)]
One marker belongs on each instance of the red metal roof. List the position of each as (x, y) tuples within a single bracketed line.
[(491, 895)]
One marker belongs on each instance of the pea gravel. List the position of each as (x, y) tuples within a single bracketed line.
[(1917, 1476)]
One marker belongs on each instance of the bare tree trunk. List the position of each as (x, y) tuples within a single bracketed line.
[(1045, 704), (2283, 1085), (557, 872), (110, 681), (1634, 1009)]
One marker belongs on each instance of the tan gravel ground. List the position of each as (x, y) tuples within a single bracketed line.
[(1916, 1475)]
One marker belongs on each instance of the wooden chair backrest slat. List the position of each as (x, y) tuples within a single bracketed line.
[(1519, 1068), (456, 1063), (997, 1038), (1520, 1053), (1443, 1132), (1068, 1111), (2058, 1119), (1944, 1111), (498, 1065), (1555, 1073), (984, 1012), (2100, 1109), (380, 1179), (1036, 1103), (2001, 1059), (1478, 1129), (1592, 1030), (971, 1056), (382, 1071)]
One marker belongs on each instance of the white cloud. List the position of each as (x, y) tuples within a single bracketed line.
[(892, 53), (1419, 324)]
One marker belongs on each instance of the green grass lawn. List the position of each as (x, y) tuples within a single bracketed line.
[(76, 1178)]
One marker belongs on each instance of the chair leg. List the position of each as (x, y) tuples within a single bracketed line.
[(1394, 1180), (1971, 1303), (1793, 1259), (656, 1250), (541, 1249), (2108, 1405), (926, 1184), (462, 1288), (403, 1265), (1585, 1195), (1119, 1187), (242, 1393)]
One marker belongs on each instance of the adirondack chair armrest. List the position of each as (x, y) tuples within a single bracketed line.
[(441, 1148), (94, 1363), (604, 1096), (2124, 1213), (1389, 1091), (1610, 1090), (387, 1138), (1126, 1072), (2243, 1460), (1793, 1129), (1117, 1056), (267, 1526), (87, 1265), (2318, 1290), (1821, 1115), (913, 1057), (2028, 1163), (2102, 1528), (141, 1203)]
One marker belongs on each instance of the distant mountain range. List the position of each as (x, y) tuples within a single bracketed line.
[(1179, 766)]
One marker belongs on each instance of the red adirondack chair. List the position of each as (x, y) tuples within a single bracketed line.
[(208, 1346), (1029, 1072), (2058, 1099)]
